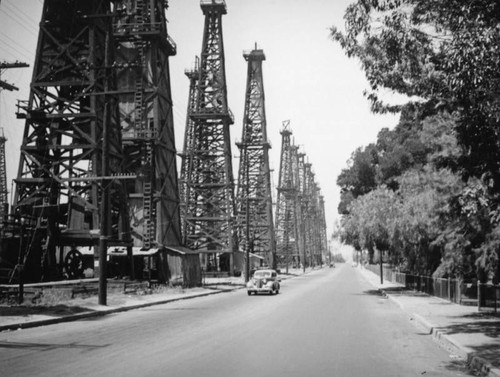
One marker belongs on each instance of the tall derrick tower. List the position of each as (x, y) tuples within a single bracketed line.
[(287, 248), (209, 223), (71, 151), (253, 198), (302, 204), (146, 119), (322, 228), (188, 201)]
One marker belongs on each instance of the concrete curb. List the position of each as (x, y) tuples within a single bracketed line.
[(447, 342), (106, 311)]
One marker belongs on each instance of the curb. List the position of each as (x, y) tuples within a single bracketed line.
[(101, 313), (447, 342), (444, 340)]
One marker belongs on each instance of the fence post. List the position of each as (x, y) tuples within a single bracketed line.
[(478, 295), (449, 289)]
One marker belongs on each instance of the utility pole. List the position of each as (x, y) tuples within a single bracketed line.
[(3, 172), (5, 65), (4, 206)]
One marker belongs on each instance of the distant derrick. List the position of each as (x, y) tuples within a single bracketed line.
[(188, 201), (287, 221), (209, 224), (253, 199), (300, 223)]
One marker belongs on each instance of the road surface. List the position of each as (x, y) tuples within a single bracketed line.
[(326, 323)]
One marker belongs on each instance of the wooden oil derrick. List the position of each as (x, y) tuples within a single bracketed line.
[(188, 201), (325, 252), (287, 231), (68, 189), (303, 205), (209, 223), (253, 198), (143, 48)]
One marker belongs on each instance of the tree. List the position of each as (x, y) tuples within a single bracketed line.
[(441, 54), (444, 56), (359, 177)]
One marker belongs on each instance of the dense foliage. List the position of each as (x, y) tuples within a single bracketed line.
[(427, 193)]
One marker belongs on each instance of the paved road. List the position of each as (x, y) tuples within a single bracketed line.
[(326, 323)]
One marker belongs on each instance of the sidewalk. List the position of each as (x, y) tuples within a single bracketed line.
[(25, 316), (470, 334)]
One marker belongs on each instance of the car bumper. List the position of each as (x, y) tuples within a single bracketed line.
[(259, 290)]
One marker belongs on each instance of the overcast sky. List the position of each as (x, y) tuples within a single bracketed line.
[(307, 78)]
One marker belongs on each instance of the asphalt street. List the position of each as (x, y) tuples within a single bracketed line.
[(330, 322)]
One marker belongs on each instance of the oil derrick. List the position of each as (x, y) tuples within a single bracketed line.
[(143, 47), (325, 252), (209, 222), (308, 213), (316, 230), (253, 198), (187, 200), (287, 247), (304, 222), (68, 193)]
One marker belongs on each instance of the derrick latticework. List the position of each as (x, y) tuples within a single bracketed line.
[(71, 147), (253, 198), (209, 187), (300, 217), (287, 221), (142, 52)]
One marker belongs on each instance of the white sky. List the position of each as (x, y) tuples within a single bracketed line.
[(307, 78)]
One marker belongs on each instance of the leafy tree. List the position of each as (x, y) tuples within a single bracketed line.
[(444, 56), (441, 54), (359, 177)]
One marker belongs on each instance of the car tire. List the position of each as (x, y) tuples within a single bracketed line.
[(249, 293)]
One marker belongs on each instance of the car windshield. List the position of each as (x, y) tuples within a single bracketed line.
[(262, 274)]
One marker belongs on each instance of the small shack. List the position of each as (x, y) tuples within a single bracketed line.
[(175, 265), (184, 266)]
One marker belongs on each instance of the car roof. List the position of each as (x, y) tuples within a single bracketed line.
[(265, 270)]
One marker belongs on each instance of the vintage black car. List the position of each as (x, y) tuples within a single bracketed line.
[(264, 281)]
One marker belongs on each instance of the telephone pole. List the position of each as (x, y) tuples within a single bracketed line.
[(3, 171)]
